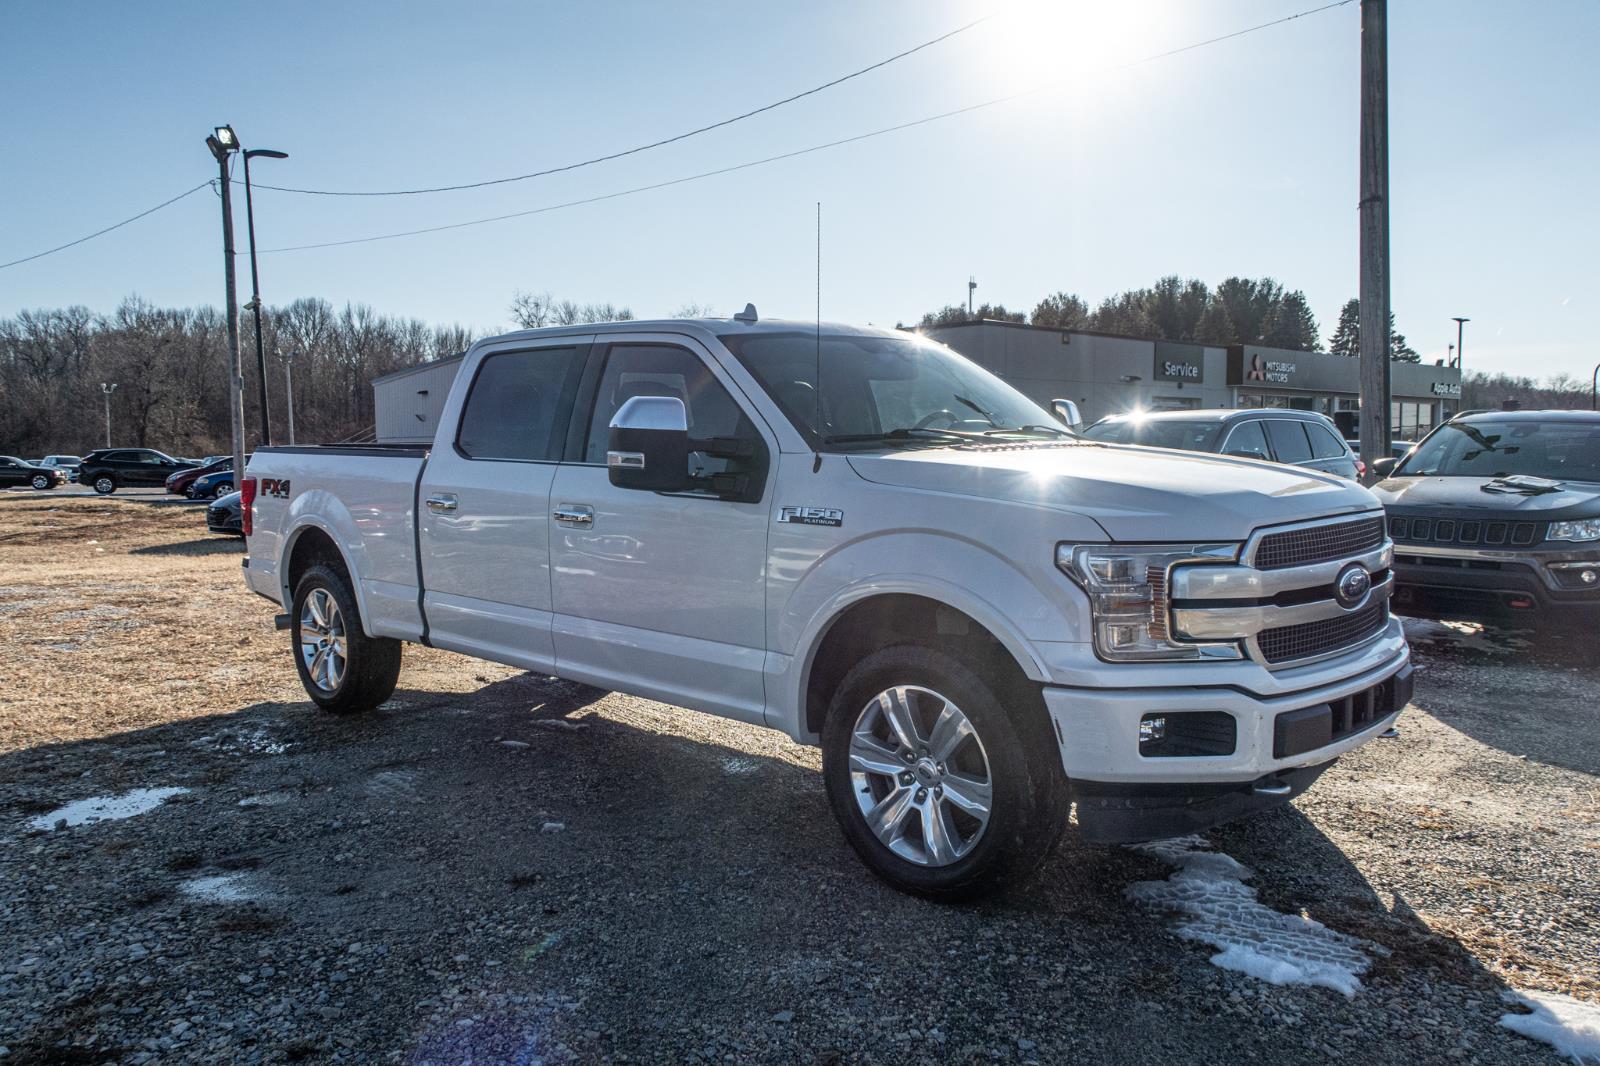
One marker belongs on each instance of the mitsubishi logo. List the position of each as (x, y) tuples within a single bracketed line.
[(1352, 585)]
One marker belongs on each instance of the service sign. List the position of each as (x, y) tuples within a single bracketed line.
[(1184, 363)]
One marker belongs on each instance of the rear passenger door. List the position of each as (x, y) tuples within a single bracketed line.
[(1289, 443), (483, 505), (1328, 451)]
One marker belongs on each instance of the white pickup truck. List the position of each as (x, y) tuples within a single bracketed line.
[(862, 539)]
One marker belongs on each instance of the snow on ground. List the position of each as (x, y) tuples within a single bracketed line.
[(1211, 903), (1569, 1025), (222, 888), (106, 808)]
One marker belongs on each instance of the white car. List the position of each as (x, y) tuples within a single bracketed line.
[(863, 540)]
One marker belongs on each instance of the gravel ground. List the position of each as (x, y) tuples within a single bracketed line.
[(500, 867)]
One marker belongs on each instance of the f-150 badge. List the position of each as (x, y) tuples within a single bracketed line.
[(811, 516)]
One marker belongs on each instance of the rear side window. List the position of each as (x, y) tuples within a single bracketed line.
[(1324, 445), (1288, 440), (518, 405)]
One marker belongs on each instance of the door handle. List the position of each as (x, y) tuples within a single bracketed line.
[(579, 516), (442, 502)]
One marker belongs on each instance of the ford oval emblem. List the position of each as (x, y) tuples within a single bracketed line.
[(1352, 585)]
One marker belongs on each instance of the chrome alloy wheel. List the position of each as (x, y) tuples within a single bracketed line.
[(920, 775), (322, 640)]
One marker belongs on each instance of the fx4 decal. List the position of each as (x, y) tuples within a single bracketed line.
[(271, 486)]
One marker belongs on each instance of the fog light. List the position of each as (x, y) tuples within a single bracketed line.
[(1152, 729), (1589, 577)]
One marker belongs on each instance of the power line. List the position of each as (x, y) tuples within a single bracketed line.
[(643, 147), (799, 151), (108, 229)]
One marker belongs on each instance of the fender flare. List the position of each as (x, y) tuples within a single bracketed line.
[(291, 539)]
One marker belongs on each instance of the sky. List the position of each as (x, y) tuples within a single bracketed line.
[(1235, 158)]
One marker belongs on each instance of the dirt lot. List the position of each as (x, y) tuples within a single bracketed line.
[(498, 867)]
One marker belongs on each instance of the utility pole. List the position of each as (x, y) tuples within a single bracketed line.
[(254, 306), (108, 389), (972, 286), (288, 390), (1374, 215), (222, 143), (1460, 322)]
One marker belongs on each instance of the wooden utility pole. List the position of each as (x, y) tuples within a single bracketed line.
[(1374, 320), (231, 310)]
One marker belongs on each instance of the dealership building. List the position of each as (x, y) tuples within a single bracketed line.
[(1108, 374)]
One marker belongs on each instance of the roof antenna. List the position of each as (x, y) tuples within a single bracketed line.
[(747, 315), (816, 459)]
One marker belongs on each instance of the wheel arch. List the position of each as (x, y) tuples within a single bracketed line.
[(312, 543)]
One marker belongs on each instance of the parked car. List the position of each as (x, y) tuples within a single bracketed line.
[(1498, 514), (108, 469), (14, 471), (67, 464), (182, 482), (225, 515), (859, 538), (215, 483), (1299, 438)]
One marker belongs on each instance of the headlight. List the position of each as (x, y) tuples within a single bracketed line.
[(1127, 587), (1582, 529)]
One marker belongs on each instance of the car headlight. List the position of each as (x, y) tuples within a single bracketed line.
[(1582, 529), (1128, 599)]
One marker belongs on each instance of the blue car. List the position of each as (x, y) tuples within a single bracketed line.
[(214, 485)]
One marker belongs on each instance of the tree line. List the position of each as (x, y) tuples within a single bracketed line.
[(170, 369), (1235, 311)]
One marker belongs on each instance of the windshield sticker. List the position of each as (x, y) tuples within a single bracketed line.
[(811, 516)]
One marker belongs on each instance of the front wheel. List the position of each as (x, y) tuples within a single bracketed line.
[(221, 490), (941, 789), (342, 669), (105, 484), (41, 482)]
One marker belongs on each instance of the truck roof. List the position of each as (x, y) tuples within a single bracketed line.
[(714, 327)]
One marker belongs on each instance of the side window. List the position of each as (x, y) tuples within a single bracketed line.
[(1248, 440), (1324, 445), (1288, 440), (150, 458), (117, 457), (664, 370), (517, 405)]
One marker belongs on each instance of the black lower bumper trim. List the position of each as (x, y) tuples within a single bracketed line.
[(1113, 813)]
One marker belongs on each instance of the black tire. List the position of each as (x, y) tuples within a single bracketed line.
[(1030, 803), (372, 664), (104, 484), (42, 482), (221, 490)]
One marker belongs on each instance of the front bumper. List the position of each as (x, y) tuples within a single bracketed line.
[(1125, 795), (1471, 583)]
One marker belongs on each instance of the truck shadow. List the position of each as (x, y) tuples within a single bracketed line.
[(593, 880), (215, 544)]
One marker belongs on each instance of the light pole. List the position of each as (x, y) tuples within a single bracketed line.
[(1459, 348), (223, 142), (1594, 390), (288, 390), (108, 389), (254, 306)]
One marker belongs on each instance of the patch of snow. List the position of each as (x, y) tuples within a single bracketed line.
[(1211, 903), (740, 765), (221, 888), (1571, 1026), (267, 799), (106, 808)]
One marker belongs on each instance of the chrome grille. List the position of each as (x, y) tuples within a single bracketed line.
[(1318, 544), (1310, 639)]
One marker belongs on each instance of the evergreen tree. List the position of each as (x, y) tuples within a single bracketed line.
[(1290, 323), (1346, 339), (1064, 310), (955, 315)]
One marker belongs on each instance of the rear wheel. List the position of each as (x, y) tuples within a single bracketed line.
[(105, 484), (221, 490), (940, 790), (342, 669), (41, 481)]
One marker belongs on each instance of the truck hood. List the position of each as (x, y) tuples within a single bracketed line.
[(1574, 499), (1134, 493)]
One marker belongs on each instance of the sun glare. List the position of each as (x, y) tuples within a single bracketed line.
[(1070, 43)]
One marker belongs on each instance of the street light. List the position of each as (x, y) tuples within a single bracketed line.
[(255, 281), (1459, 349), (108, 389), (1594, 390)]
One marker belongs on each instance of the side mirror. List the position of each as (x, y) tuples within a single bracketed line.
[(1067, 413), (1382, 468), (648, 447)]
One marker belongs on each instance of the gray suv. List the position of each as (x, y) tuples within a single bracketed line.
[(1280, 435)]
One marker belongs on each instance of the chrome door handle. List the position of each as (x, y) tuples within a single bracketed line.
[(442, 502), (576, 515)]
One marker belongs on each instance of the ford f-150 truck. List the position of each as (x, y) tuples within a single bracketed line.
[(859, 538)]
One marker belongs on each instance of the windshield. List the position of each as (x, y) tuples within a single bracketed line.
[(877, 390), (1189, 435), (1561, 451)]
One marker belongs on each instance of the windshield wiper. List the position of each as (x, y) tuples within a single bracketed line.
[(1054, 431), (905, 434)]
